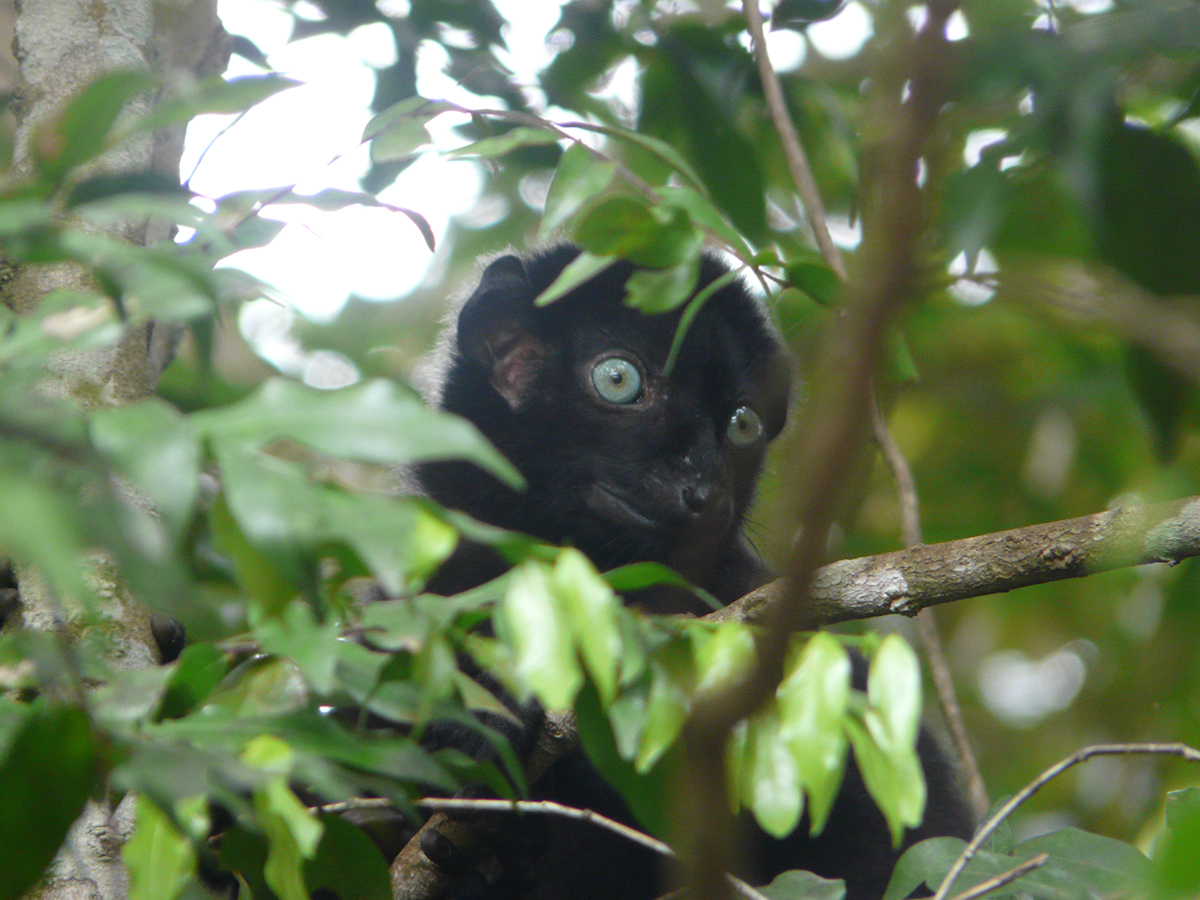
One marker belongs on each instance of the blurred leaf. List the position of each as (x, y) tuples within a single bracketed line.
[(521, 136), (105, 185), (1175, 871), (215, 96), (722, 655), (1146, 224), (803, 886), (160, 860), (661, 290), (291, 519), (580, 270), (374, 421), (297, 635), (626, 226), (157, 449), (54, 745), (197, 673), (892, 776), (580, 177), (80, 132), (667, 704), (347, 863), (799, 14), (927, 863), (815, 279), (894, 689), (41, 527), (1103, 867)]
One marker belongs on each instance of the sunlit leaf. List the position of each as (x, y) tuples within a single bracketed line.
[(591, 610), (160, 860), (534, 622), (813, 699)]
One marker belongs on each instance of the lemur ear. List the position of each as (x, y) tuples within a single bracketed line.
[(494, 332)]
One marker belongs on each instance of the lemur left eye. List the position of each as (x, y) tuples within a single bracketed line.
[(745, 427), (617, 380)]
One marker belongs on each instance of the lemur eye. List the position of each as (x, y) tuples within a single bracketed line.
[(745, 427), (617, 380)]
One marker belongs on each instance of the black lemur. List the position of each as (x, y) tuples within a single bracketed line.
[(629, 464)]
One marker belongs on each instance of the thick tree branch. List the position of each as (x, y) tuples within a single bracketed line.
[(908, 581)]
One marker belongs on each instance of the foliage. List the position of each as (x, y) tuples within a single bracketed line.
[(249, 513)]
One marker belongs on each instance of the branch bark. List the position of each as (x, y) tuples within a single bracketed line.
[(908, 581)]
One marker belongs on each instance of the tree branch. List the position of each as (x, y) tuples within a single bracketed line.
[(907, 581)]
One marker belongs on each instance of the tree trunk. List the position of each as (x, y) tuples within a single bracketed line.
[(61, 46)]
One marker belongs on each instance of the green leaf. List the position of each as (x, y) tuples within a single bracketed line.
[(661, 290), (54, 746), (347, 864), (158, 450), (41, 526), (581, 176), (1176, 870), (417, 109), (658, 148), (374, 421), (627, 226), (197, 673), (521, 136), (797, 885), (215, 96), (292, 836), (581, 269), (894, 690), (893, 777), (704, 212), (771, 778), (160, 860), (667, 704), (81, 131), (590, 608), (814, 279), (297, 635), (1103, 866), (290, 520), (813, 699), (534, 623), (722, 655), (928, 862), (262, 580)]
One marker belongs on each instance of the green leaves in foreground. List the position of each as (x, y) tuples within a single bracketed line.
[(49, 767)]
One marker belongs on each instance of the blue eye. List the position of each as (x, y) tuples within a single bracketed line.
[(745, 427), (617, 380)]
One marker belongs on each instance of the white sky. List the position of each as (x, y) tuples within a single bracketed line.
[(310, 136)]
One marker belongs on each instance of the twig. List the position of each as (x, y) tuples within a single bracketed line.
[(793, 151), (989, 827), (906, 102), (549, 807), (546, 807), (927, 629), (999, 881)]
